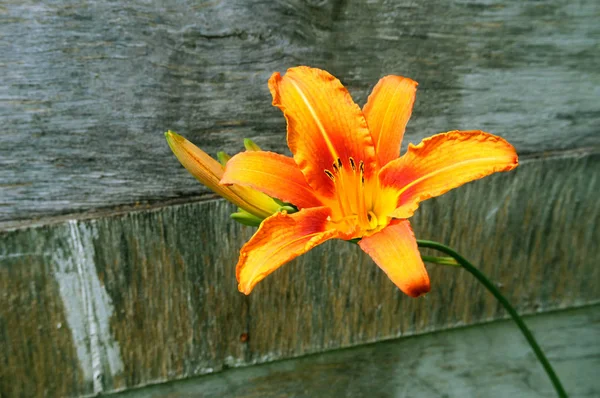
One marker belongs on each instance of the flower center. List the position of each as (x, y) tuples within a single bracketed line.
[(372, 218), (351, 196)]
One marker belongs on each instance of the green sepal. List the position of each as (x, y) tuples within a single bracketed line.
[(223, 158), (288, 209), (245, 218), (280, 202), (251, 145)]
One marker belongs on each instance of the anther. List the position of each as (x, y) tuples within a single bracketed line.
[(329, 175), (361, 165), (335, 168), (339, 162), (352, 164)]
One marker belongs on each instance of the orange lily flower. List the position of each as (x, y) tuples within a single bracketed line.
[(255, 206), (346, 178)]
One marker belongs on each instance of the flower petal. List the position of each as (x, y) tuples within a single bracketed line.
[(387, 111), (276, 175), (209, 172), (279, 239), (324, 125), (394, 249), (443, 162)]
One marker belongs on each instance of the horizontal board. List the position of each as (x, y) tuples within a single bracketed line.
[(491, 360), (88, 88), (104, 304)]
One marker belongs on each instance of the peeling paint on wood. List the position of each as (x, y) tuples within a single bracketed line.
[(94, 303), (160, 285)]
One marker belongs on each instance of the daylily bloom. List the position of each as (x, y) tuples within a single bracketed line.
[(346, 178), (254, 206)]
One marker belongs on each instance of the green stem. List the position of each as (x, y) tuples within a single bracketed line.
[(513, 313)]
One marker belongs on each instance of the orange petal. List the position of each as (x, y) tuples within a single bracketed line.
[(323, 125), (276, 175), (209, 172), (394, 249), (443, 162), (387, 111), (279, 239)]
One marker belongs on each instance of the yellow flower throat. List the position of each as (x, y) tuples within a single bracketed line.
[(355, 203)]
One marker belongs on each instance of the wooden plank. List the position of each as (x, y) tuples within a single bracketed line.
[(491, 360), (44, 331), (89, 87), (98, 305)]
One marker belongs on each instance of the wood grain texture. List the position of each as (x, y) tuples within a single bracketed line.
[(491, 360), (44, 344), (126, 300), (88, 87)]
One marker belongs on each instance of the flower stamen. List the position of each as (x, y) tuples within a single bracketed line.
[(342, 189), (330, 175), (339, 191), (360, 191), (352, 164)]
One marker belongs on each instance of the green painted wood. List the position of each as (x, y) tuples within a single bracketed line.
[(490, 360), (89, 87), (124, 300)]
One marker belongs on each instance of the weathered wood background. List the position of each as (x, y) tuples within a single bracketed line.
[(491, 361), (88, 87), (116, 267)]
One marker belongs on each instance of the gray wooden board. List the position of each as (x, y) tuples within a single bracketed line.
[(88, 87), (491, 360), (118, 301)]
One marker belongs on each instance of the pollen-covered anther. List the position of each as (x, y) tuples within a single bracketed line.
[(330, 175), (352, 164), (361, 167)]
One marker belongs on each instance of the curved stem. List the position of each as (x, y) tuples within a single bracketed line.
[(509, 308)]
